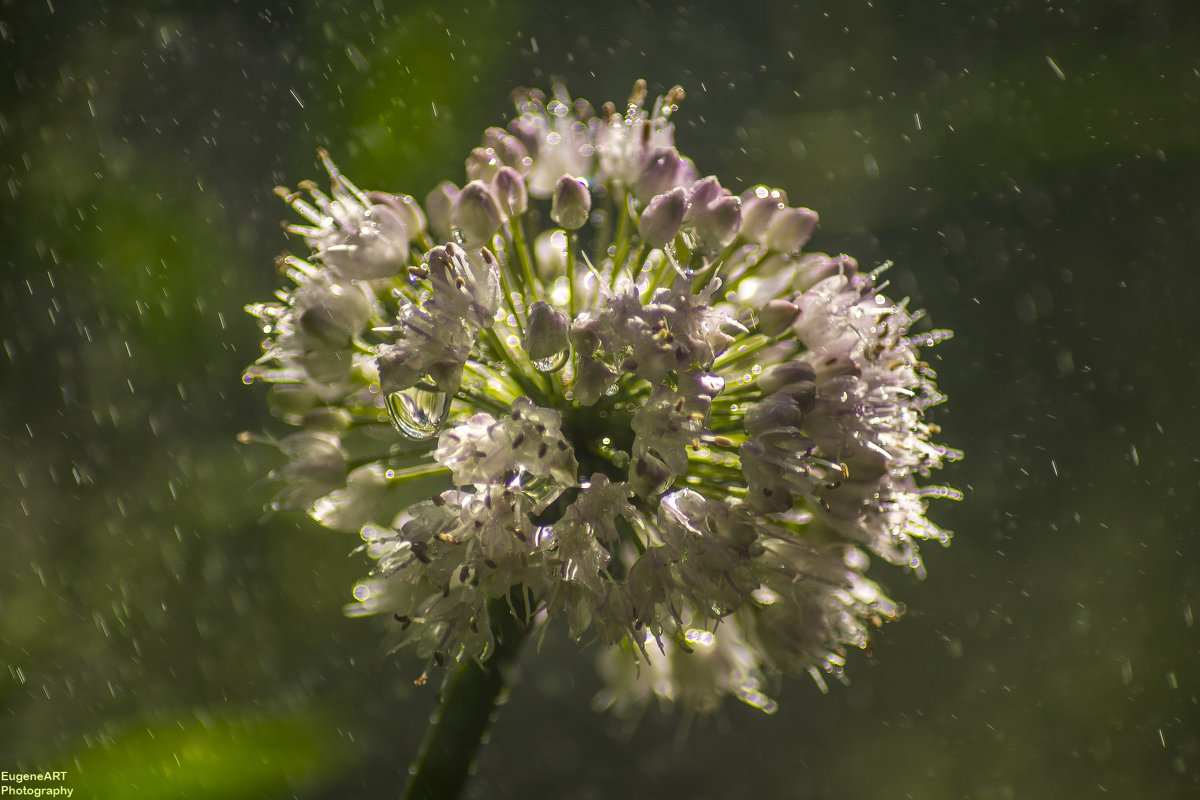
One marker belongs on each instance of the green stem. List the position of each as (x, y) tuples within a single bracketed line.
[(571, 241), (728, 358), (501, 351), (508, 300), (639, 261), (532, 292), (622, 247), (750, 268), (716, 264), (450, 747)]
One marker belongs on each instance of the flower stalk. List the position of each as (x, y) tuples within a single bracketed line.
[(452, 742)]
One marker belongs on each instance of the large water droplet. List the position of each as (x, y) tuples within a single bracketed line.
[(418, 413), (554, 363)]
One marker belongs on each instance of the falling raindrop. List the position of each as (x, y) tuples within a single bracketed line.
[(418, 412)]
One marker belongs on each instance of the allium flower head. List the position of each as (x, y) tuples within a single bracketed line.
[(598, 376)]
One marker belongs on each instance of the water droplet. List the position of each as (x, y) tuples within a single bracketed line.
[(418, 413), (543, 536), (541, 489), (552, 364), (458, 236), (570, 569)]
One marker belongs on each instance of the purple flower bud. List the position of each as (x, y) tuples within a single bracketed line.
[(482, 164), (377, 250), (713, 212), (476, 214), (527, 133), (777, 411), (438, 206), (704, 193), (585, 335), (593, 381), (688, 174), (777, 376), (661, 220), (720, 221), (816, 267), (572, 203), (333, 421), (660, 174), (759, 206), (316, 466), (508, 148), (508, 187), (776, 317), (790, 229), (546, 335), (319, 325), (405, 207)]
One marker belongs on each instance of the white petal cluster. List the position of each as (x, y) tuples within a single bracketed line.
[(594, 378)]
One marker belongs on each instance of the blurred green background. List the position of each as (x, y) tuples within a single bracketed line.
[(1033, 169)]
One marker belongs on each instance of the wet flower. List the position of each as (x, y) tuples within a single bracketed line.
[(673, 428)]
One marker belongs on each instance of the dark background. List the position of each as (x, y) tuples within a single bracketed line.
[(1032, 169)]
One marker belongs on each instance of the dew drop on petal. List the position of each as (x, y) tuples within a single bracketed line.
[(554, 363), (541, 490), (418, 413), (570, 569)]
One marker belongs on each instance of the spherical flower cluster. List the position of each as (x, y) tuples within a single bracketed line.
[(593, 374)]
